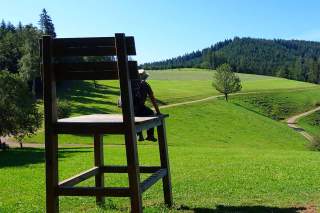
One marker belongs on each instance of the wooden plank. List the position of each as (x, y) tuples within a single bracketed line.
[(147, 183), (124, 169), (133, 68), (128, 119), (89, 128), (148, 124), (130, 45), (84, 51), (92, 70), (98, 162), (79, 42), (164, 159), (80, 177), (94, 191), (51, 139), (98, 46)]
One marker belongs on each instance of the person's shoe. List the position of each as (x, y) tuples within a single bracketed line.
[(153, 139), (141, 139)]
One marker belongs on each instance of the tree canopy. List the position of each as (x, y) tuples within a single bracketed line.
[(19, 115), (226, 81)]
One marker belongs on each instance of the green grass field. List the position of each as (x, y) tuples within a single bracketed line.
[(225, 157), (170, 87)]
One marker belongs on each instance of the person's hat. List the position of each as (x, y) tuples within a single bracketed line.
[(143, 74)]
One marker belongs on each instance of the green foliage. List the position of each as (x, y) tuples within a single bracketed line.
[(226, 81), (19, 115), (292, 59), (279, 105), (29, 62), (46, 24), (9, 51), (64, 108)]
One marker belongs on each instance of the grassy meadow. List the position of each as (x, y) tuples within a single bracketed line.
[(172, 86), (225, 157)]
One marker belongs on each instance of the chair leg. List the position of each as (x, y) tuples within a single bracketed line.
[(164, 158), (98, 161), (51, 154), (133, 172)]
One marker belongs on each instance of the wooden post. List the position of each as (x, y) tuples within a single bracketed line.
[(98, 161), (164, 158), (51, 138), (128, 119)]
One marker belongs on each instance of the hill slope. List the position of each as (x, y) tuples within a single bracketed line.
[(293, 59)]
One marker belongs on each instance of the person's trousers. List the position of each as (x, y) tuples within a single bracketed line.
[(145, 111)]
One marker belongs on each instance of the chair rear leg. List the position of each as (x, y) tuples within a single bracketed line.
[(133, 172), (164, 159), (98, 161)]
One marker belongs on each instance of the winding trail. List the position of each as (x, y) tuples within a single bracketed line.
[(292, 123)]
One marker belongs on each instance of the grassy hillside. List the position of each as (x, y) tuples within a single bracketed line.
[(280, 105), (225, 157), (169, 87)]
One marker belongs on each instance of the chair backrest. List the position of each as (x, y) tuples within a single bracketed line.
[(56, 51)]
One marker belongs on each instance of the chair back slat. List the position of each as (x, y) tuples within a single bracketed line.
[(92, 70), (99, 46)]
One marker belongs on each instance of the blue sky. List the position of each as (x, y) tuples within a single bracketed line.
[(168, 28)]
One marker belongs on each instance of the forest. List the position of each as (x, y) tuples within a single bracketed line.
[(292, 59), (19, 49)]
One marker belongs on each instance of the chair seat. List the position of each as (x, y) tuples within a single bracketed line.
[(103, 123)]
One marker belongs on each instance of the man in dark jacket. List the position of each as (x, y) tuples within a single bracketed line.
[(141, 90)]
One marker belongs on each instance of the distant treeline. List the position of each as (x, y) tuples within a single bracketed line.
[(292, 59)]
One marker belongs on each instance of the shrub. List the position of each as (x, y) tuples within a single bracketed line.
[(64, 109), (19, 114)]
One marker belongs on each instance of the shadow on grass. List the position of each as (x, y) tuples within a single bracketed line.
[(243, 209), (85, 93), (21, 157)]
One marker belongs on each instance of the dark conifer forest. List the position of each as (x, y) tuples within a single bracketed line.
[(292, 59)]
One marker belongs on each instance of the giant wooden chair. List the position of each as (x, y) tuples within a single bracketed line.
[(54, 69)]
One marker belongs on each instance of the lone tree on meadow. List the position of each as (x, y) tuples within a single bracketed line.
[(226, 81), (19, 115)]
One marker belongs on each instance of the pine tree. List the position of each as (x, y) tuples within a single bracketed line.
[(46, 24), (3, 25)]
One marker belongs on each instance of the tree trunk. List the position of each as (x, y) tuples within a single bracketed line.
[(226, 96), (21, 146)]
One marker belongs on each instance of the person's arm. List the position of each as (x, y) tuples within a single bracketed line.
[(154, 103), (153, 99)]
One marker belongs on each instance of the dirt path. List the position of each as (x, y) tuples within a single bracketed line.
[(292, 123), (12, 143)]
